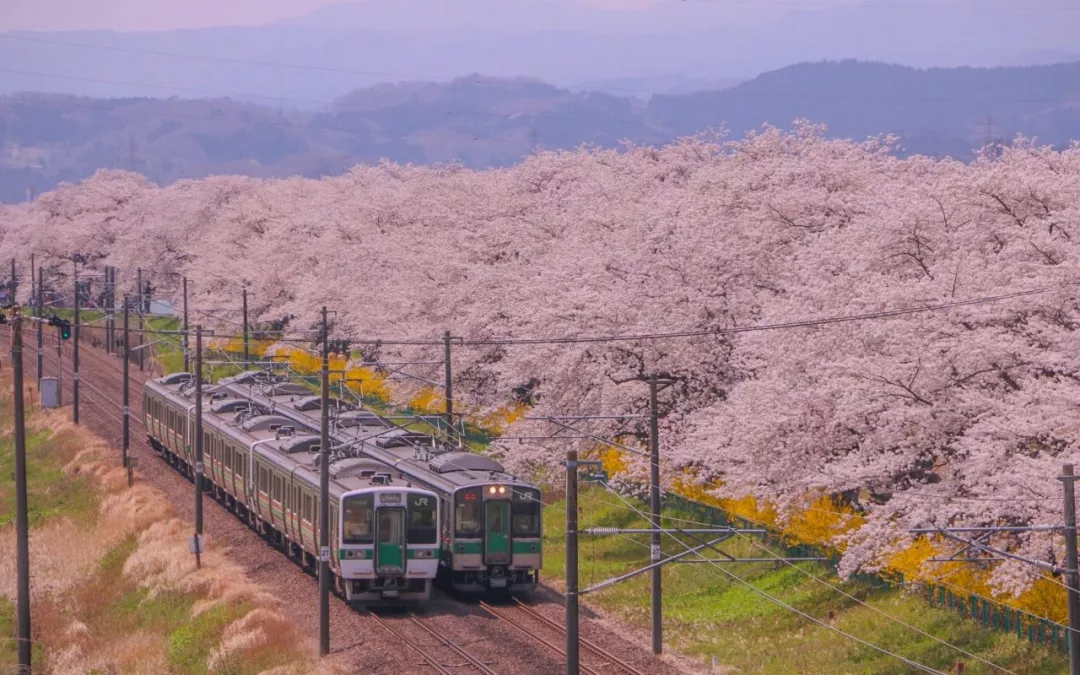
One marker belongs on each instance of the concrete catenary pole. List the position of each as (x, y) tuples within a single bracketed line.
[(324, 495), (22, 523)]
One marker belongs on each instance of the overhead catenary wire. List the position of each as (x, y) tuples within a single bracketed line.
[(765, 594), (762, 524), (870, 607), (812, 322)]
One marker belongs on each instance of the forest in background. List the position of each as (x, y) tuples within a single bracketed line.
[(483, 122)]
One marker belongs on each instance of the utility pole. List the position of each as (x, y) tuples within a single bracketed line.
[(12, 299), (22, 524), (139, 313), (198, 448), (33, 286), (247, 360), (127, 390), (654, 506), (324, 496), (572, 657), (187, 360), (41, 327), (1072, 578), (449, 383), (75, 354), (108, 311)]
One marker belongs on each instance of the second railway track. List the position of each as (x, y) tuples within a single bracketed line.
[(426, 652), (512, 614)]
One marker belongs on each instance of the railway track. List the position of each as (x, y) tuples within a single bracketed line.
[(609, 660), (425, 653)]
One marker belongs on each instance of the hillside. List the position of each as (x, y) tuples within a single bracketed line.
[(341, 47), (488, 122), (939, 111), (478, 121)]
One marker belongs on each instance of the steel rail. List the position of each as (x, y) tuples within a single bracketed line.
[(438, 667), (588, 644), (558, 650), (473, 661)]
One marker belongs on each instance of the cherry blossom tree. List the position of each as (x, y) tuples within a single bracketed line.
[(961, 415)]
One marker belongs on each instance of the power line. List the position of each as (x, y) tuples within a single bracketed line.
[(804, 323), (778, 601), (766, 525), (849, 596)]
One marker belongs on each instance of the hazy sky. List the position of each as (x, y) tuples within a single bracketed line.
[(129, 15)]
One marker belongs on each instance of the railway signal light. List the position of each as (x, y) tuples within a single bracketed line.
[(63, 324)]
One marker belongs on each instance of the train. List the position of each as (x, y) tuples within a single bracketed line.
[(488, 523), (491, 520), (384, 529)]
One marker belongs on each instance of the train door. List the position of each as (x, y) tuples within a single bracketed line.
[(390, 541), (496, 531)]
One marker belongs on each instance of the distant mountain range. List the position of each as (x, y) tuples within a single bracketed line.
[(307, 62), (485, 122)]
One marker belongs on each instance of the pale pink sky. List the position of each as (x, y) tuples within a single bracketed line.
[(126, 15)]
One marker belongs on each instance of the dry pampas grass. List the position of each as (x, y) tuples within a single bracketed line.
[(67, 555)]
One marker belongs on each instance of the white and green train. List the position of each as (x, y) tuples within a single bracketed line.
[(490, 534), (384, 529)]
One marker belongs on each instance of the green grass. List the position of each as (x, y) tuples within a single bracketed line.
[(9, 654), (50, 492), (191, 643), (707, 613)]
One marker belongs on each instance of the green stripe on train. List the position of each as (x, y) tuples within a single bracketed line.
[(526, 547), (477, 548), (468, 548)]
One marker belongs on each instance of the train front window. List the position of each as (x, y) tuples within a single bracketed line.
[(525, 513), (422, 526), (467, 512), (359, 516)]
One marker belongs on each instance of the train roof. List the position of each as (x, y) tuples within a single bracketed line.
[(379, 438), (291, 447)]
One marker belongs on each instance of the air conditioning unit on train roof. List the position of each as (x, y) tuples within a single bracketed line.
[(315, 403), (404, 438), (265, 422), (302, 444), (464, 461), (286, 389)]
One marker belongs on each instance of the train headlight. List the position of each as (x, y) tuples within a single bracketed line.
[(502, 490), (491, 489)]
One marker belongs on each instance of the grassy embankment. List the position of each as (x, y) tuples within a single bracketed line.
[(707, 614), (114, 587)]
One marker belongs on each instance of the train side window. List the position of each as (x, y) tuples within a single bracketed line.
[(467, 504)]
